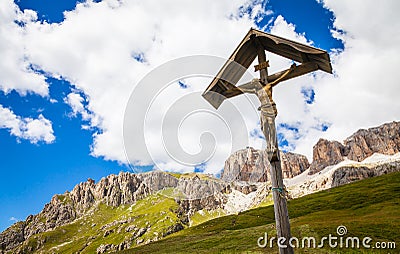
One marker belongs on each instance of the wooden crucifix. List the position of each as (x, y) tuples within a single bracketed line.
[(223, 86)]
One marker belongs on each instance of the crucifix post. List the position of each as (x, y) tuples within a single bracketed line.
[(262, 62), (278, 189)]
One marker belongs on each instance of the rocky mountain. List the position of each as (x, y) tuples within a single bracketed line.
[(112, 190), (181, 197), (126, 210), (326, 153), (345, 172), (252, 165), (384, 139)]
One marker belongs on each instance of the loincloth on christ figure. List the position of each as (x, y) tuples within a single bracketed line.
[(267, 121)]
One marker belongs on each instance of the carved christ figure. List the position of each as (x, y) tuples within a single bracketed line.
[(268, 111)]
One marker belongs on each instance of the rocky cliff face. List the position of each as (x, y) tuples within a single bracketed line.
[(326, 153), (348, 174), (342, 173), (13, 236), (384, 139), (293, 164), (246, 165), (251, 165)]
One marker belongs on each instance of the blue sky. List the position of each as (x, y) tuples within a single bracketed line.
[(79, 146)]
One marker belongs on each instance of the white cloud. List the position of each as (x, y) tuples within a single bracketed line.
[(76, 102), (13, 219), (287, 30), (34, 130), (16, 71)]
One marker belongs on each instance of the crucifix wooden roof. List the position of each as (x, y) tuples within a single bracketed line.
[(224, 84)]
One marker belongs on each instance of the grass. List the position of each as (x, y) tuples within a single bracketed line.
[(367, 208), (191, 175), (268, 200), (204, 215), (174, 174)]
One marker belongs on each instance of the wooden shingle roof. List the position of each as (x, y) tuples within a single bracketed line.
[(224, 84)]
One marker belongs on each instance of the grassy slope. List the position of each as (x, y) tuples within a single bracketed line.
[(367, 208), (155, 210)]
